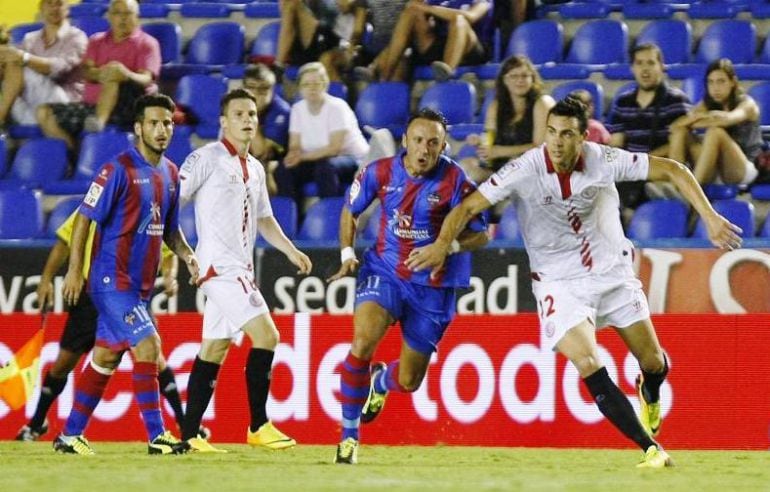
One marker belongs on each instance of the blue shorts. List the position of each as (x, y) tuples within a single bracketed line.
[(424, 312), (124, 319)]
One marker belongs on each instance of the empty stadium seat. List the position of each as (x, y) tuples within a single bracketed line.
[(216, 43), (508, 228), (37, 162), (91, 24), (97, 149), (59, 214), (169, 36), (286, 214), (672, 36), (21, 214), (599, 42), (733, 39), (541, 41), (659, 219), (693, 87), (86, 9), (597, 93), (265, 44), (180, 146), (200, 95), (765, 230), (455, 99), (738, 212), (322, 220), (17, 32), (384, 105)]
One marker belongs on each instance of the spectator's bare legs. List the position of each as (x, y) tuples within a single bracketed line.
[(411, 22), (460, 40), (720, 154), (331, 60), (13, 83), (108, 99), (50, 126), (677, 143), (296, 20)]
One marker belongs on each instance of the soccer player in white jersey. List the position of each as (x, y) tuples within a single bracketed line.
[(231, 206), (581, 262)]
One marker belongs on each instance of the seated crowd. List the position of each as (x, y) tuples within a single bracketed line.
[(67, 84)]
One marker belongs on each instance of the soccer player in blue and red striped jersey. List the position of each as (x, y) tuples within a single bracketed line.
[(133, 200), (416, 188)]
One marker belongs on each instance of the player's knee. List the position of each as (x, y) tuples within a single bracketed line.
[(214, 350), (586, 364), (653, 362), (363, 347)]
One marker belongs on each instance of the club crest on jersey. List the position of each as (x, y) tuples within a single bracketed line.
[(94, 193), (129, 318), (152, 223), (400, 220), (610, 153), (433, 198), (548, 200), (589, 193)]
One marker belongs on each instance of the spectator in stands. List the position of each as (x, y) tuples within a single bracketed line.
[(383, 16), (732, 140), (515, 119), (314, 30), (119, 66), (44, 68), (597, 132), (325, 143), (270, 142), (442, 34), (639, 119)]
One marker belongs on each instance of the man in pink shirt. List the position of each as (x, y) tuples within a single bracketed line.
[(119, 66), (43, 69)]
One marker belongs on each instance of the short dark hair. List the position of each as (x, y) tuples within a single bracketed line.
[(239, 93), (571, 108), (259, 71), (428, 114), (644, 47), (157, 100)]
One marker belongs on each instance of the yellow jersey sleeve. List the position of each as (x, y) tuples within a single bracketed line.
[(64, 232)]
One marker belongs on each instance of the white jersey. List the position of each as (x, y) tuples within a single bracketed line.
[(570, 223), (230, 194)]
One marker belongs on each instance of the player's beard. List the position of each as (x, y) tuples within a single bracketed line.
[(152, 148)]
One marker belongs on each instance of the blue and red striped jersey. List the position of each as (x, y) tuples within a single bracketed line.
[(412, 212), (132, 203)]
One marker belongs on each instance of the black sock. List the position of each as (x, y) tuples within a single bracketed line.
[(170, 392), (258, 370), (652, 382), (203, 378), (49, 391), (615, 406)]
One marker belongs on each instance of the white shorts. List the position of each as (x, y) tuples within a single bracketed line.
[(232, 300), (749, 175), (38, 89), (614, 298)]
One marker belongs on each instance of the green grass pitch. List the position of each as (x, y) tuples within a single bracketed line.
[(126, 466)]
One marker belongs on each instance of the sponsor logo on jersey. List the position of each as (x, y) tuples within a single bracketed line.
[(434, 198), (610, 153), (94, 193)]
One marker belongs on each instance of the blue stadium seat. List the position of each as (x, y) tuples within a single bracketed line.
[(659, 219), (508, 228), (761, 192), (180, 146), (599, 42), (541, 41), (169, 36), (87, 9), (634, 10), (153, 11), (738, 212), (204, 10), (97, 149), (91, 24), (216, 43), (39, 161), (765, 230), (733, 39), (720, 9), (672, 36), (21, 214), (693, 87), (597, 93), (187, 223), (200, 95), (322, 220), (285, 212), (455, 99), (262, 10), (384, 105), (720, 191), (59, 214), (265, 44), (18, 31), (761, 93), (3, 156)]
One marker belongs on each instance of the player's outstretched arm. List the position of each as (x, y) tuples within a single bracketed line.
[(722, 233), (433, 255), (270, 230), (348, 260)]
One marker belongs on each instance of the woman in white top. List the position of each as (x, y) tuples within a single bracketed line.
[(325, 144)]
